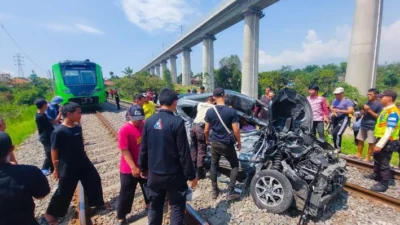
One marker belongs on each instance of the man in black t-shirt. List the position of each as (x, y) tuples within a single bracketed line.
[(222, 140), (18, 185), (71, 165), (371, 112), (45, 128)]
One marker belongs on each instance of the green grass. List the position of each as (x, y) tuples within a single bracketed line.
[(21, 127), (21, 121), (349, 148)]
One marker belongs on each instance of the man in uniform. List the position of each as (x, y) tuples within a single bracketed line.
[(165, 160), (198, 148), (387, 132)]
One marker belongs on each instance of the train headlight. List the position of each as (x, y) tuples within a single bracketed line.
[(67, 91)]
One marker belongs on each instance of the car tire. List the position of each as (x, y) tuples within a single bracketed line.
[(275, 198)]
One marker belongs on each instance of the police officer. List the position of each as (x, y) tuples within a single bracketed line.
[(165, 160), (386, 132)]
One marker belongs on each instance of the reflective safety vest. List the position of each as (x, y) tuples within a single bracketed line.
[(384, 121)]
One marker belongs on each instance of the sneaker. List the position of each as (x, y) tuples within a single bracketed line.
[(371, 176), (233, 195), (379, 187), (46, 172)]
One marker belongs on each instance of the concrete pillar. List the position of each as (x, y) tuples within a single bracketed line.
[(149, 70), (250, 52), (157, 69), (186, 69), (208, 62), (152, 72), (364, 48), (172, 67), (163, 68)]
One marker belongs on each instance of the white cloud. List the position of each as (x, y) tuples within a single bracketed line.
[(152, 15), (315, 49), (74, 28), (390, 43), (312, 48), (88, 29)]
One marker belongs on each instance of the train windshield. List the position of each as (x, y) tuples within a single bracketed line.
[(74, 75)]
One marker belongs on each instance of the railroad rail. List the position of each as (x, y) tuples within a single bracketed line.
[(366, 166), (191, 215)]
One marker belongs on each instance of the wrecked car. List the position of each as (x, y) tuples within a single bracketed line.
[(281, 161)]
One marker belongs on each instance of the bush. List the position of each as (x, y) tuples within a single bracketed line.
[(27, 97)]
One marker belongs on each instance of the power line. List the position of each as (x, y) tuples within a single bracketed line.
[(27, 56)]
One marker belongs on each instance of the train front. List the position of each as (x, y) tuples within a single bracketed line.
[(80, 82)]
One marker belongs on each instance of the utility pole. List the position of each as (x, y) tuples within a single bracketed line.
[(181, 30), (19, 62)]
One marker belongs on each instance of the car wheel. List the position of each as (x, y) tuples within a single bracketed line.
[(272, 191)]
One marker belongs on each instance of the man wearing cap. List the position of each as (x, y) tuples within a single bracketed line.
[(387, 132), (341, 109), (129, 139), (320, 111), (223, 122), (198, 148), (371, 111), (45, 129), (19, 184), (138, 99), (165, 158)]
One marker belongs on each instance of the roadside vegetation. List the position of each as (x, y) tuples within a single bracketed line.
[(17, 107)]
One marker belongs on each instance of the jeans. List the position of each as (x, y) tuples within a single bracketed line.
[(228, 151), (318, 126), (47, 163), (198, 148)]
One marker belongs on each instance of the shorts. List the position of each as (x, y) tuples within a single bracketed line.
[(366, 135)]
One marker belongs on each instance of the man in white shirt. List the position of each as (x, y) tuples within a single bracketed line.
[(198, 145)]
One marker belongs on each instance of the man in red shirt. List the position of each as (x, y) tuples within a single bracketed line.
[(129, 139)]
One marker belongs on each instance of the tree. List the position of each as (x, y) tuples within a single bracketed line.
[(179, 79), (273, 79), (128, 71), (229, 74), (168, 79), (343, 67), (231, 61), (391, 80), (311, 68)]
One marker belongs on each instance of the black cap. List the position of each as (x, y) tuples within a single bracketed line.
[(313, 87), (218, 92), (136, 113), (389, 93), (5, 144), (40, 103)]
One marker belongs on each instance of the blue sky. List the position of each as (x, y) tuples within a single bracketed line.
[(121, 33)]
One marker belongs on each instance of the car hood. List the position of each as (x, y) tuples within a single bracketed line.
[(288, 103)]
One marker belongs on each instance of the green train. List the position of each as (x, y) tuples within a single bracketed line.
[(79, 81)]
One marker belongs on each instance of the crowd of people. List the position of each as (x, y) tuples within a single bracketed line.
[(157, 155), (377, 124)]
